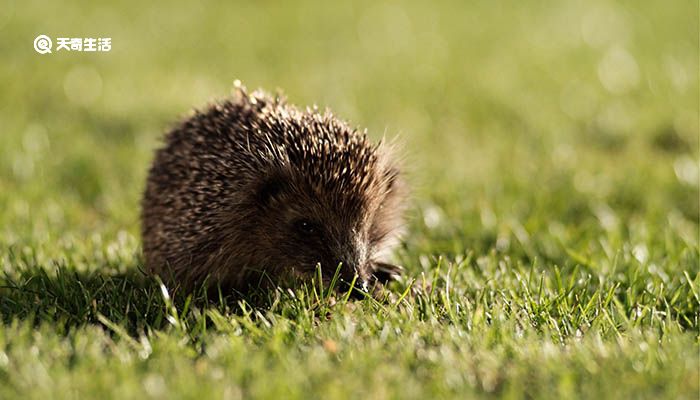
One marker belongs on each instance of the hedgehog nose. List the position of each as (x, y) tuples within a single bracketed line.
[(359, 291), (354, 284), (353, 281), (348, 271)]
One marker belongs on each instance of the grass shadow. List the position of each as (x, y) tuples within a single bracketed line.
[(133, 300)]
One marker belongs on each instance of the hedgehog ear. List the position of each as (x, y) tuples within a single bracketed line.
[(270, 188)]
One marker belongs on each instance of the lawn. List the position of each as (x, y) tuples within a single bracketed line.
[(552, 249)]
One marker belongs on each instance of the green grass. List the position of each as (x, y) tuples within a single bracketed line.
[(552, 250)]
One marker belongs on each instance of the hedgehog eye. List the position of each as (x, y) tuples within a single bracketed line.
[(305, 227)]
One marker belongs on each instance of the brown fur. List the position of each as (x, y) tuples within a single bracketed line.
[(253, 185)]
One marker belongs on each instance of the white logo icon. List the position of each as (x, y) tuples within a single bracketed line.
[(42, 44)]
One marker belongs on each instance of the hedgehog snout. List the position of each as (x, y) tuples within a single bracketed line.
[(353, 261)]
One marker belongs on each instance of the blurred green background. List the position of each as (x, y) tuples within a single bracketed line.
[(500, 105), (536, 134)]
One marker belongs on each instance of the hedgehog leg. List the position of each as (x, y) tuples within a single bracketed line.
[(385, 272)]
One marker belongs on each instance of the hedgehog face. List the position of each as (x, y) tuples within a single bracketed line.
[(308, 223)]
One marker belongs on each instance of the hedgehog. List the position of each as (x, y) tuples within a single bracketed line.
[(253, 192)]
